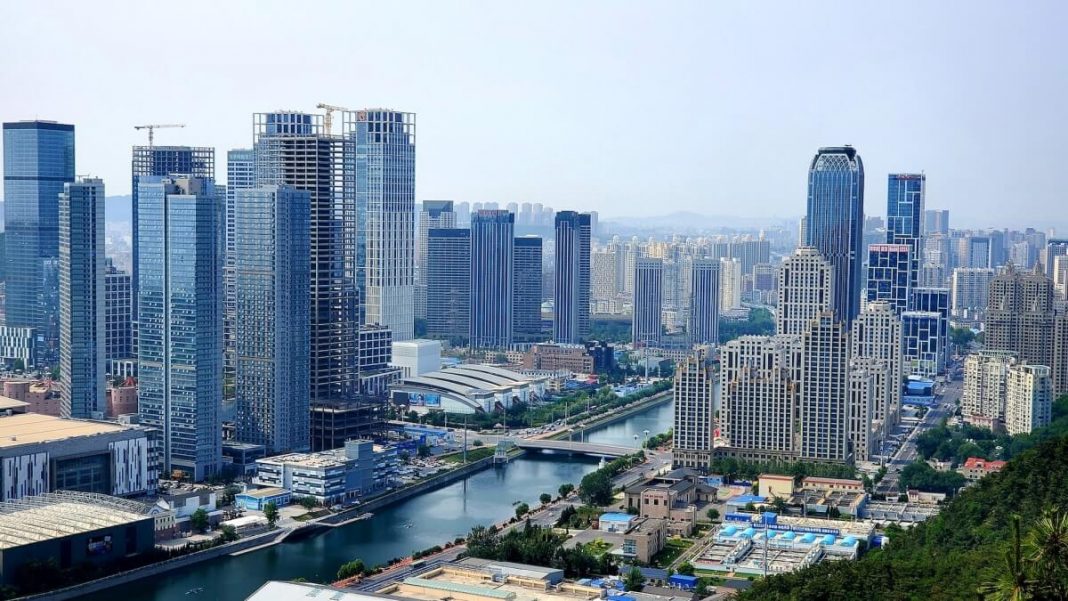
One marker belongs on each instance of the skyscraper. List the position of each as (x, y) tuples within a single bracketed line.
[(875, 345), (1022, 317), (730, 284), (935, 300), (240, 175), (118, 323), (292, 149), (448, 280), (272, 328), (982, 400), (694, 395), (571, 295), (180, 308), (935, 221), (435, 214), (759, 384), (924, 353), (492, 278), (704, 306), (834, 223), (38, 161), (526, 308), (648, 301), (970, 293), (81, 298), (806, 288), (905, 217), (1028, 398), (823, 400), (891, 274), (383, 142)]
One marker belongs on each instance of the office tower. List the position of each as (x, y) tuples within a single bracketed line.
[(648, 301), (935, 300), (463, 214), (971, 251), (384, 145), (38, 161), (292, 149), (571, 293), (935, 221), (272, 328), (924, 355), (806, 288), (1055, 247), (905, 217), (153, 161), (759, 385), (835, 222), (435, 214), (876, 344), (890, 274), (118, 321), (492, 278), (526, 306), (1028, 398), (970, 292), (602, 276), (630, 258), (823, 401), (180, 333), (704, 306), (982, 401), (240, 175), (81, 298), (999, 250), (730, 284), (766, 279), (694, 395), (750, 252), (448, 281), (1020, 317)]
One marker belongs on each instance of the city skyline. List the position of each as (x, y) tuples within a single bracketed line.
[(947, 119)]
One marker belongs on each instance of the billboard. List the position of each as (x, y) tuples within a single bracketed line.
[(99, 545), (427, 399)]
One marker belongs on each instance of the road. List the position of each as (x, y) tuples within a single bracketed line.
[(947, 405)]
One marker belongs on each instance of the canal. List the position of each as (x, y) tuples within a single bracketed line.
[(416, 523)]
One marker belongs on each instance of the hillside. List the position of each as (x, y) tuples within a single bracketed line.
[(949, 556)]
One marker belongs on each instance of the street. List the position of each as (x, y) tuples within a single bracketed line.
[(946, 405)]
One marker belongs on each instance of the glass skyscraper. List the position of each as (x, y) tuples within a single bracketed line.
[(240, 175), (383, 142), (492, 278), (889, 272), (435, 214), (272, 327), (905, 216), (81, 298), (834, 223), (571, 295), (38, 160), (648, 301), (180, 310), (526, 308), (448, 281), (704, 303)]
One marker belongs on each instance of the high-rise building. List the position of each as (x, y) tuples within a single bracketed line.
[(648, 301), (492, 278), (240, 175), (750, 252), (81, 298), (384, 146), (759, 385), (704, 306), (1019, 317), (806, 289), (924, 355), (571, 293), (1055, 247), (272, 328), (603, 287), (823, 406), (38, 161), (526, 306), (154, 161), (905, 217), (180, 312), (118, 320), (936, 221), (448, 281), (970, 251), (890, 274), (293, 149), (835, 222), (694, 395), (865, 431), (1028, 398), (982, 400), (876, 345), (1060, 276), (730, 284), (435, 214), (935, 300), (970, 292)]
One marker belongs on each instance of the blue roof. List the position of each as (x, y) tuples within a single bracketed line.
[(683, 578), (828, 539), (617, 517), (730, 530), (743, 499)]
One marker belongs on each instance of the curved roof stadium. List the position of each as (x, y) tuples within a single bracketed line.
[(473, 387)]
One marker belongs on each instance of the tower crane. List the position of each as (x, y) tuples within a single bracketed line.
[(154, 126), (328, 119)]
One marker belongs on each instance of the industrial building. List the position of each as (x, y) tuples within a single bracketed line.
[(328, 476), (467, 389)]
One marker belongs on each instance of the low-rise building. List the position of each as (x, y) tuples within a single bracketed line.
[(416, 357), (121, 400), (644, 539), (241, 457), (327, 476), (975, 468), (774, 485), (257, 499), (674, 497), (42, 396)]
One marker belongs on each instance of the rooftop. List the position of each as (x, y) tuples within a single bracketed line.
[(274, 590), (264, 493), (58, 514), (32, 428), (10, 403)]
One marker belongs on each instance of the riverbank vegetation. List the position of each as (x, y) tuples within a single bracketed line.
[(539, 546), (734, 469)]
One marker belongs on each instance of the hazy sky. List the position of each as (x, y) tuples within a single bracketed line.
[(627, 108)]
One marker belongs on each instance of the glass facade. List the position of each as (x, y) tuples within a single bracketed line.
[(889, 273), (834, 223), (180, 313), (240, 175), (648, 301), (492, 278), (905, 215), (571, 294), (272, 327), (526, 308), (704, 308), (448, 281), (38, 160)]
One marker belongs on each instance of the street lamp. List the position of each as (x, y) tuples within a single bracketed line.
[(636, 437)]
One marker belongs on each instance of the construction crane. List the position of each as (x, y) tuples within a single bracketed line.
[(154, 126), (328, 119)]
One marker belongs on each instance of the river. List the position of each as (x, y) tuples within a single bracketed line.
[(416, 523)]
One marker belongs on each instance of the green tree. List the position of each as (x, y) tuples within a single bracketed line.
[(477, 443), (634, 581), (1047, 551), (713, 514), (779, 505), (229, 534), (521, 510), (351, 569), (566, 489), (685, 568), (308, 503), (596, 488), (545, 498), (199, 520), (270, 511), (1010, 582), (424, 451)]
